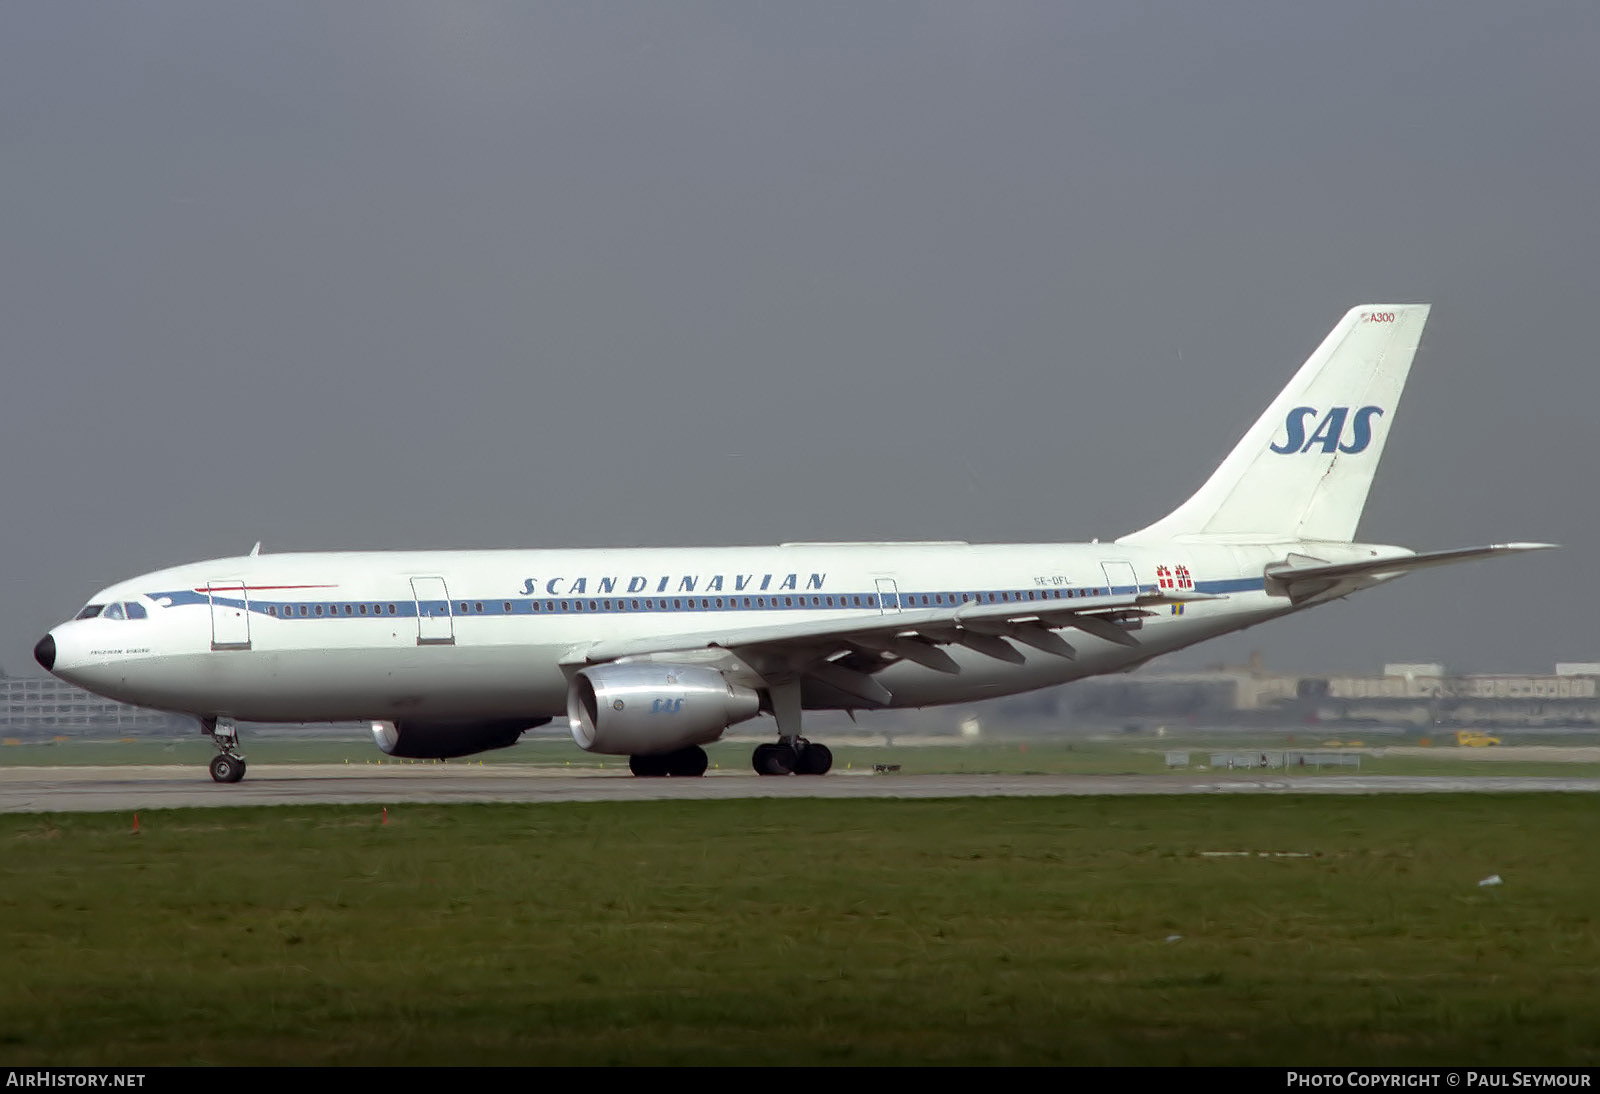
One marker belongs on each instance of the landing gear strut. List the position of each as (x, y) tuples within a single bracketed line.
[(228, 765), (792, 754)]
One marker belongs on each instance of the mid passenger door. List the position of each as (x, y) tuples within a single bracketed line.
[(435, 625), (1120, 577), (230, 615), (888, 596)]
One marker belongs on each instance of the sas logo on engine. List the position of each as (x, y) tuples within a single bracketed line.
[(1330, 433), (665, 706)]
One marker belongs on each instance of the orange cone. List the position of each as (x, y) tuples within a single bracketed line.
[(136, 822), (386, 814)]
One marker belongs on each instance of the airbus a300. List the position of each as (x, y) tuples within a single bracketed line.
[(653, 653)]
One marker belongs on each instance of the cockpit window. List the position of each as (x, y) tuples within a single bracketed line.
[(90, 611), (135, 610), (113, 611)]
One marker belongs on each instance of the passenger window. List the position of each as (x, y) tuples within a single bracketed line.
[(135, 611), (363, 609), (272, 610), (508, 607), (391, 609), (318, 609)]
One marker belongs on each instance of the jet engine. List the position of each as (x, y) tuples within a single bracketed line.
[(444, 740), (644, 708)]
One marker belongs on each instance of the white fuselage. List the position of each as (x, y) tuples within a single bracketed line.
[(467, 635)]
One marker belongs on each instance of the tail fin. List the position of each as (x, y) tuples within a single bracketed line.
[(1304, 469)]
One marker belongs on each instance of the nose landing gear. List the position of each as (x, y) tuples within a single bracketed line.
[(228, 765)]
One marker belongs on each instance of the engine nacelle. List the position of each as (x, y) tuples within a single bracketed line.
[(643, 708), (446, 740)]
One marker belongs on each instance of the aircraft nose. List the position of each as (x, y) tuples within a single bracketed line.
[(45, 652)]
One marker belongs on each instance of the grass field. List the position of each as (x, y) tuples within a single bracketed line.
[(981, 931)]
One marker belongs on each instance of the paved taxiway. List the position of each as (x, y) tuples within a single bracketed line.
[(109, 789)]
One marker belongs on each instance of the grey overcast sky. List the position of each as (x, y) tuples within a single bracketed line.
[(382, 274)]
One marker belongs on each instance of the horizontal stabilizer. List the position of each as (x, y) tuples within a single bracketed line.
[(1300, 575)]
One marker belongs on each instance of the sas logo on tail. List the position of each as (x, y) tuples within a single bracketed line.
[(1330, 430)]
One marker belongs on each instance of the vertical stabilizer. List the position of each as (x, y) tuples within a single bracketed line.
[(1304, 469)]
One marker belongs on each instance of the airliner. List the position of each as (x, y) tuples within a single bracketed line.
[(652, 653)]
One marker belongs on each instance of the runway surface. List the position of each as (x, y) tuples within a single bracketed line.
[(109, 789)]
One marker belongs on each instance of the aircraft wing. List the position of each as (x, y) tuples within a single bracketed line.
[(913, 635), (1300, 576)]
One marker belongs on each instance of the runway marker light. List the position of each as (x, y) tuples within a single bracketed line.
[(386, 814)]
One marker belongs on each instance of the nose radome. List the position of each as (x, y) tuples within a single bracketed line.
[(45, 652)]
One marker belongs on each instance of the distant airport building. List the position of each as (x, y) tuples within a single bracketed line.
[(1409, 694), (34, 707)]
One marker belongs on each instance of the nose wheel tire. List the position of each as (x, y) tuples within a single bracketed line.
[(226, 768)]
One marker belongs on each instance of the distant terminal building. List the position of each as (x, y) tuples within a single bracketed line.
[(1415, 694), (34, 707)]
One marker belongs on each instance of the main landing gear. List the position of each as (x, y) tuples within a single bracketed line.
[(227, 766), (784, 758), (792, 754), (686, 762)]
